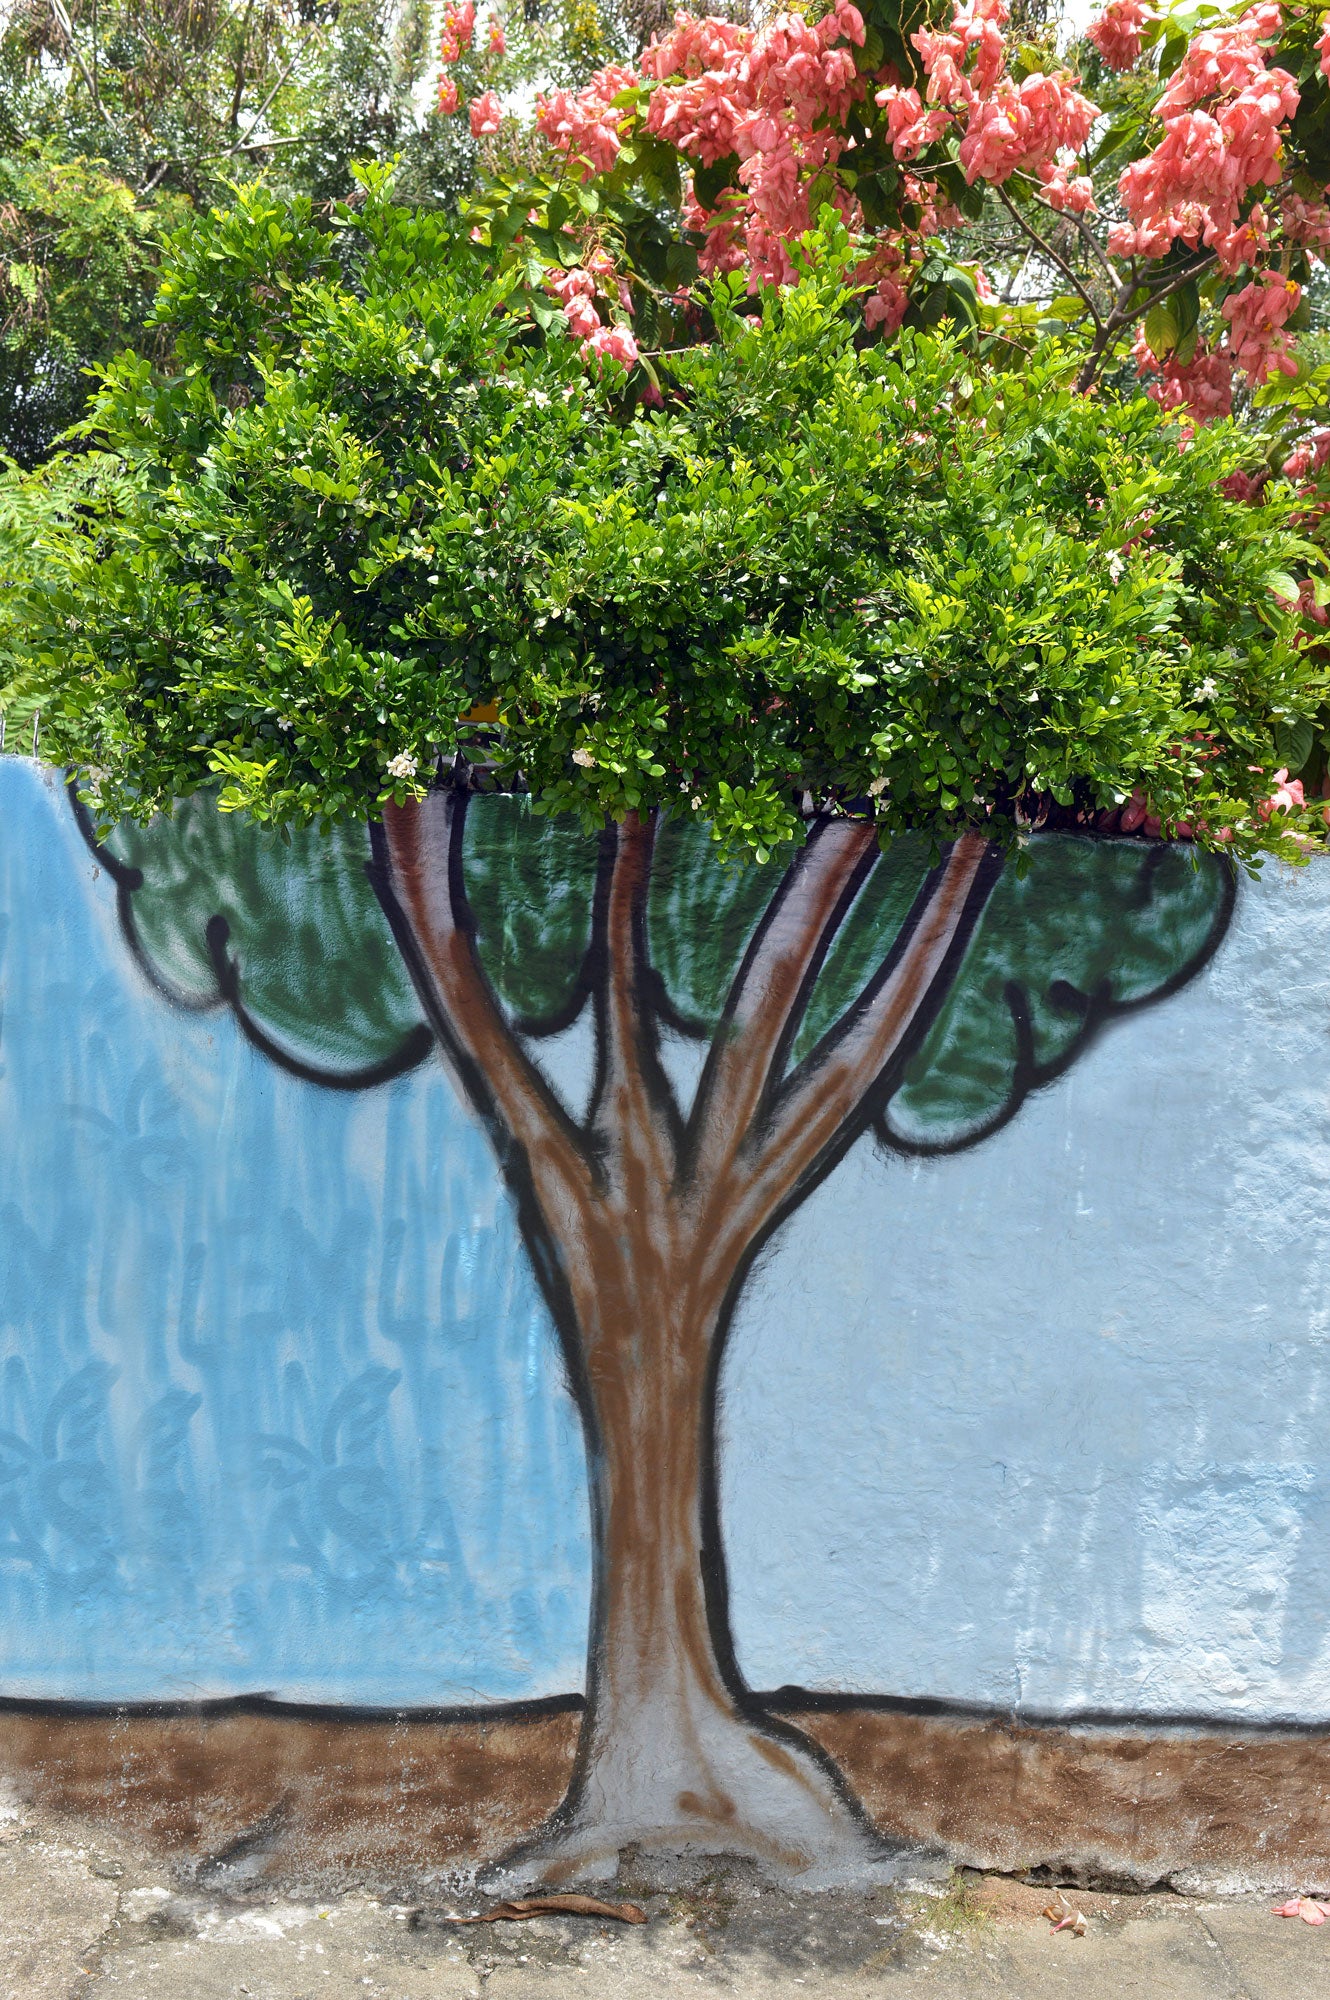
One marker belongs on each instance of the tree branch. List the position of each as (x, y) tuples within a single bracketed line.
[(247, 143), (61, 13), (423, 897), (771, 988), (1120, 318), (237, 93), (1092, 243), (1078, 222), (1047, 250), (818, 1104)]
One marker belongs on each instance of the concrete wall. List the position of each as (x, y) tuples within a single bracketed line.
[(1032, 1428)]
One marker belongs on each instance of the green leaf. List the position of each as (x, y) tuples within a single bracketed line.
[(1294, 742), (709, 183), (1161, 328)]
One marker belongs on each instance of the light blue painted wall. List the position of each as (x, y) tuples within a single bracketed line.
[(273, 1416), (1048, 1424), (1043, 1424)]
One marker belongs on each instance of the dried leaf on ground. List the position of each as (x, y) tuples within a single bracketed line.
[(555, 1906), (1064, 1918)]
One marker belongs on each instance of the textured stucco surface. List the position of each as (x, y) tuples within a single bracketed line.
[(1039, 1426), (1044, 1424)]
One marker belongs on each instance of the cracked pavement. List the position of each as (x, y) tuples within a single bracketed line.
[(86, 1914)]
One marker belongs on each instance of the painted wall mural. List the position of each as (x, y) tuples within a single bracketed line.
[(486, 1265)]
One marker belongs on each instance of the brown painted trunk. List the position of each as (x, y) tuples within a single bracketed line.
[(641, 1233), (672, 1758)]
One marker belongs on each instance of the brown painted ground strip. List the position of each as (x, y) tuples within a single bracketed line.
[(381, 1797)]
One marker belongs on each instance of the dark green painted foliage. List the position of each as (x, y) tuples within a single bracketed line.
[(318, 969), (1090, 930), (1093, 929), (530, 886), (700, 918)]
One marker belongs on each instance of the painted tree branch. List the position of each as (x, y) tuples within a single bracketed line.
[(820, 1100), (630, 1114), (771, 989), (423, 844)]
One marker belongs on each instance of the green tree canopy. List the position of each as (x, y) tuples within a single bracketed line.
[(820, 571), (78, 273)]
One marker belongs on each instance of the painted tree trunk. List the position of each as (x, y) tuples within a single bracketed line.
[(642, 1226), (672, 1756)]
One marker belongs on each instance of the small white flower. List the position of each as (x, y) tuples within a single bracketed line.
[(403, 765), (696, 804), (282, 723), (539, 398), (1208, 689), (584, 760), (1116, 566), (878, 786)]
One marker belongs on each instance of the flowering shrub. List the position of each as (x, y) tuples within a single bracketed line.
[(1176, 199), (1168, 182), (823, 570)]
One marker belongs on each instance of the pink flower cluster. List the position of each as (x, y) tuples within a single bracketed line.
[(1286, 797), (1306, 222), (1028, 127), (1023, 127), (785, 99), (1119, 33), (1203, 386), (887, 271), (976, 32), (1256, 318), (741, 89), (577, 294), (722, 230), (485, 113), (459, 26), (584, 123), (1073, 196), (1222, 115), (775, 96), (457, 35), (1307, 458)]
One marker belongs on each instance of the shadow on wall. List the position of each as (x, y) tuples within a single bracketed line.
[(1007, 1413)]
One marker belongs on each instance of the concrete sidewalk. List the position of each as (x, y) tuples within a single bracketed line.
[(83, 1914)]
